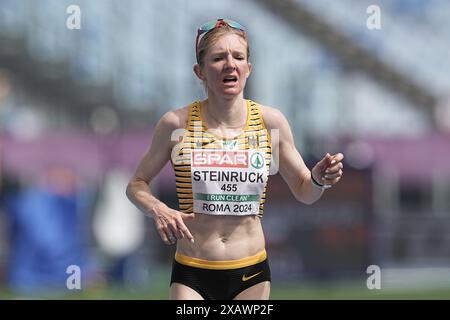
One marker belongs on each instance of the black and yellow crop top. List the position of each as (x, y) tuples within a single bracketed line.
[(223, 176)]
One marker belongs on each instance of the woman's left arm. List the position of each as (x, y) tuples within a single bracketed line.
[(291, 166)]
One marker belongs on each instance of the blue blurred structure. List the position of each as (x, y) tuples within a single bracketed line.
[(46, 235)]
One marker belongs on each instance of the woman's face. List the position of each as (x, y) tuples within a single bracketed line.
[(225, 67)]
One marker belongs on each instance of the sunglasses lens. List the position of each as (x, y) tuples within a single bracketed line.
[(208, 25), (234, 24)]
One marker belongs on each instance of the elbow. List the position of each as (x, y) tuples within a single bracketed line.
[(309, 202), (131, 189), (128, 191), (134, 187), (304, 200)]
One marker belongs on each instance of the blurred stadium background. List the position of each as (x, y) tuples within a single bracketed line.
[(77, 108)]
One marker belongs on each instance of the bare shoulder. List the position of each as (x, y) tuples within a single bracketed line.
[(175, 119), (273, 118)]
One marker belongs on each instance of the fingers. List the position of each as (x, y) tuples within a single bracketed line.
[(333, 174), (184, 230), (166, 238), (338, 157), (171, 227), (325, 162), (179, 228), (166, 231), (186, 233), (331, 177), (333, 162), (329, 162), (333, 169)]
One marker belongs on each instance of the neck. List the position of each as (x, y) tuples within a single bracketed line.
[(229, 113)]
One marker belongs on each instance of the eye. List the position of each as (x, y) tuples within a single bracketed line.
[(217, 59)]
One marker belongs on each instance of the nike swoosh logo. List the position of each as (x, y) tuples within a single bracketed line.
[(199, 144), (244, 278)]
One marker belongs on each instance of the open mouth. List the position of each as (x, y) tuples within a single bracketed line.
[(229, 79)]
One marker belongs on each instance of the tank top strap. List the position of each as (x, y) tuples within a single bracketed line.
[(256, 119), (194, 122)]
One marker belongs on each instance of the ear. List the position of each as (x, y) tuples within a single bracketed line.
[(198, 72), (250, 67)]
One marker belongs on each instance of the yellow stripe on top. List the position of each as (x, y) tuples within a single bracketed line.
[(197, 137), (222, 264)]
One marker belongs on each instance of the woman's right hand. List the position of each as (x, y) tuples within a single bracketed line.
[(170, 223)]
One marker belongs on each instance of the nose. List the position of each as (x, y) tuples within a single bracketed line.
[(229, 62)]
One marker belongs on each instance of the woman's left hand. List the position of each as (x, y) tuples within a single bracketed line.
[(329, 170)]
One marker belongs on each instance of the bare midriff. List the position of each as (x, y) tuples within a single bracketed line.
[(220, 238)]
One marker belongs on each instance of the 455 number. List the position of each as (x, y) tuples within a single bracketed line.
[(229, 187)]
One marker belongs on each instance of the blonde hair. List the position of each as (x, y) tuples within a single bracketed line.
[(212, 36)]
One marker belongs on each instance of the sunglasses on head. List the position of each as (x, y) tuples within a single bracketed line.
[(210, 25)]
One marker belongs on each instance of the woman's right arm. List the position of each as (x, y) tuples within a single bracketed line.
[(169, 222)]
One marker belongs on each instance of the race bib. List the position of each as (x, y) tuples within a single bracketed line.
[(228, 182)]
